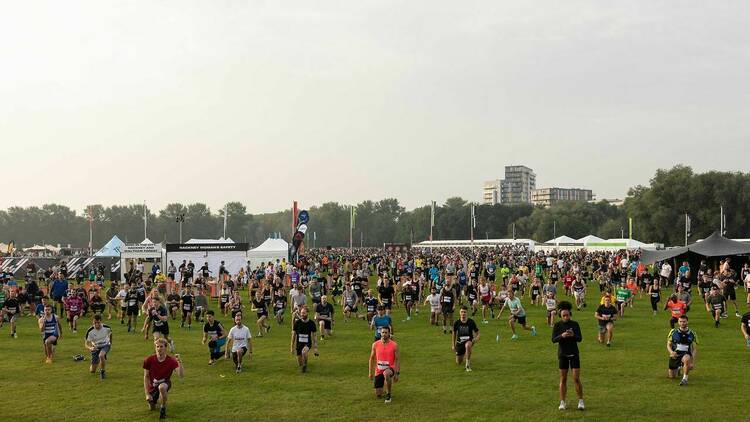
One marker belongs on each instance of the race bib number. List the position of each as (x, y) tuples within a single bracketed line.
[(383, 365), (463, 339), (186, 307), (447, 299), (157, 382), (303, 338), (683, 347)]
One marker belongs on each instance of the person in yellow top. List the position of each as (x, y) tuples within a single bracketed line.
[(607, 294), (161, 282)]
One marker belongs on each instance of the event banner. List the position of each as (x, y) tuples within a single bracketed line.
[(206, 247)]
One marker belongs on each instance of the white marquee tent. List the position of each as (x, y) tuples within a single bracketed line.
[(270, 250)]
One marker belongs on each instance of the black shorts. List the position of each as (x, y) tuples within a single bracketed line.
[(520, 319), (446, 310), (261, 314), (301, 346), (326, 324), (676, 362), (380, 379), (461, 348), (155, 392), (132, 310), (351, 308), (730, 294), (491, 277), (163, 329), (387, 305), (569, 362)]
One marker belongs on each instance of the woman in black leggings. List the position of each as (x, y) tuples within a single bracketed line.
[(654, 291)]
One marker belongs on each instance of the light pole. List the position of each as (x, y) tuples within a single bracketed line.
[(180, 219)]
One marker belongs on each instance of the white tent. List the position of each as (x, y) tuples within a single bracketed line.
[(146, 251), (35, 248), (270, 250), (590, 239), (562, 239), (112, 248), (210, 241)]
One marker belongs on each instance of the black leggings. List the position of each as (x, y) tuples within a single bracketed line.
[(654, 301)]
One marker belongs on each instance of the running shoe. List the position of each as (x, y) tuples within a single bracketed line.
[(580, 405), (533, 331), (683, 382), (562, 405), (388, 398), (514, 337), (468, 369), (102, 375), (163, 413)]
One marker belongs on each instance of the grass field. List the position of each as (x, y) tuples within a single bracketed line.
[(512, 380)]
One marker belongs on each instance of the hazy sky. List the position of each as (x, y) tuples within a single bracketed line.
[(264, 102)]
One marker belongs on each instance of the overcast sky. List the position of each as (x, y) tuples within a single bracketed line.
[(264, 102)]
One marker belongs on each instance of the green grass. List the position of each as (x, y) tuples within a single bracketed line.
[(511, 380)]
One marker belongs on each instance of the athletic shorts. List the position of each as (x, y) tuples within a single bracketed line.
[(261, 314), (95, 354), (154, 394), (579, 295), (676, 362), (730, 294), (72, 315), (351, 308), (461, 348), (447, 310), (301, 346), (163, 329), (326, 324), (603, 328), (569, 362), (380, 379), (46, 336), (521, 319), (387, 305), (132, 311)]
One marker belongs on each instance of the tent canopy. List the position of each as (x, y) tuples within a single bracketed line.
[(112, 248), (219, 240), (270, 250), (714, 245), (590, 239), (563, 239)]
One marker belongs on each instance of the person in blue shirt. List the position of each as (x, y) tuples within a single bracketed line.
[(381, 320), (58, 291)]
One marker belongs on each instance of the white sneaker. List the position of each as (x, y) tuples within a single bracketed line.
[(562, 405), (580, 405)]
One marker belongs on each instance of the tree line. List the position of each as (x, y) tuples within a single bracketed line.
[(657, 211)]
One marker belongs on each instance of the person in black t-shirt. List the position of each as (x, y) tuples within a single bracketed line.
[(214, 334), (324, 317), (11, 309), (567, 334), (304, 338), (260, 307), (385, 293), (187, 302), (465, 337), (745, 327), (447, 302), (606, 314), (279, 305)]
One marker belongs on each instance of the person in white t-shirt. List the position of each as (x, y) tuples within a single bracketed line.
[(666, 272), (747, 287), (239, 338), (434, 300), (98, 341), (121, 295)]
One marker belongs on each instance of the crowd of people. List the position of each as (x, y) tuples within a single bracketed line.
[(368, 284)]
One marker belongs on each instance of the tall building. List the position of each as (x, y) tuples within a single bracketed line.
[(517, 186), (549, 196), (491, 192)]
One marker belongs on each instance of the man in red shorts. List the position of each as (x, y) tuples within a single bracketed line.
[(157, 371), (385, 359)]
